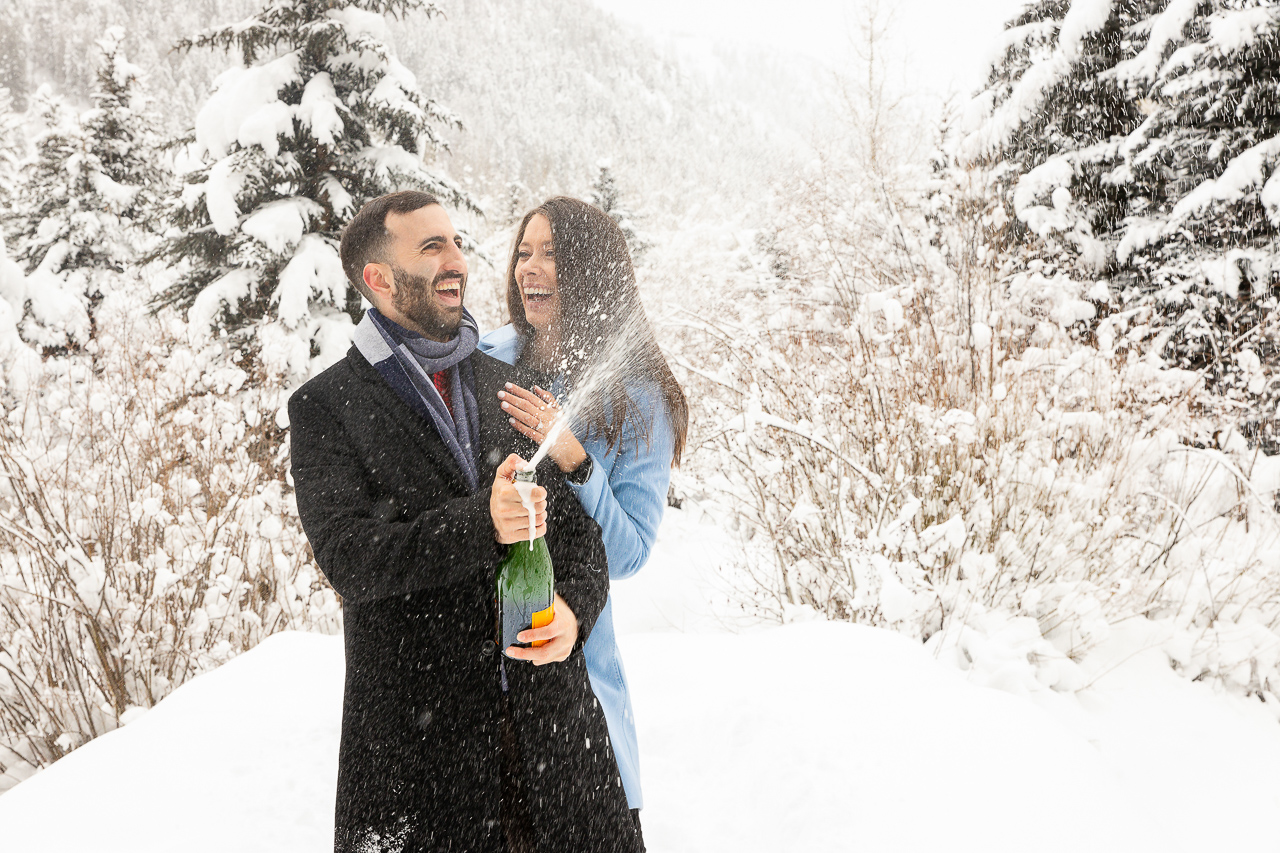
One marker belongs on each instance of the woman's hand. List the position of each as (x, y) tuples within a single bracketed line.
[(535, 414), (561, 633)]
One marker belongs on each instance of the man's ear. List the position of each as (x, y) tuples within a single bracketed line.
[(380, 280)]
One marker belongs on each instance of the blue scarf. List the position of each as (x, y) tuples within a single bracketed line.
[(406, 361)]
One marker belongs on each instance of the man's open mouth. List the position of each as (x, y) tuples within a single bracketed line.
[(450, 289), (535, 293)]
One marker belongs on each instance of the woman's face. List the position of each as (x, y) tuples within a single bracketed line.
[(536, 274)]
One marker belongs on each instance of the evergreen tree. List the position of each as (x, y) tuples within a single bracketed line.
[(1146, 157), (125, 138), (46, 201), (1200, 253), (82, 208), (517, 202), (317, 119), (1055, 119), (12, 144), (13, 50), (606, 196)]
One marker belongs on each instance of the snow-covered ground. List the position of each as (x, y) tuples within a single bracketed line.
[(807, 737)]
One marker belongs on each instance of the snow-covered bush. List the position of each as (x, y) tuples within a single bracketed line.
[(147, 533), (912, 436), (319, 118)]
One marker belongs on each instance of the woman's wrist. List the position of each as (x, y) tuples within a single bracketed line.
[(573, 457), (580, 475)]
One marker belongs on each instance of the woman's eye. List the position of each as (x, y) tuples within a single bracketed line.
[(524, 256)]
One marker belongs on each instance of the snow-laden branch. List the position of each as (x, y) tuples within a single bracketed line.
[(744, 422), (1083, 19)]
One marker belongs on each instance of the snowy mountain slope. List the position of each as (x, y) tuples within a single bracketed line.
[(815, 736)]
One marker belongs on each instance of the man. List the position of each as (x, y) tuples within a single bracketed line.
[(403, 462)]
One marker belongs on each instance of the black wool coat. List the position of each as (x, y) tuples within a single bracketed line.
[(412, 552)]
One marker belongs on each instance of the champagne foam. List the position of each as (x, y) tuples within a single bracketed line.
[(525, 488)]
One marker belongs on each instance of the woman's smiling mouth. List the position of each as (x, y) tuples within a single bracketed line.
[(536, 293)]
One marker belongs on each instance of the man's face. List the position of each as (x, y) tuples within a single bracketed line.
[(429, 271)]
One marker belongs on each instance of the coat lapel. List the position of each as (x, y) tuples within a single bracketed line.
[(409, 413), (497, 436), (496, 439)]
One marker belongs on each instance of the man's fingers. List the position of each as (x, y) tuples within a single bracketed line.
[(509, 533), (510, 497), (507, 470), (520, 521), (546, 632), (511, 503), (517, 512), (561, 633)]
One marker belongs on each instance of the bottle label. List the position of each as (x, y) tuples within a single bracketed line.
[(543, 617)]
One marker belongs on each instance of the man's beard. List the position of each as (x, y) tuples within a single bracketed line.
[(414, 299)]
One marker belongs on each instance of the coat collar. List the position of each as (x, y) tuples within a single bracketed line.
[(493, 444)]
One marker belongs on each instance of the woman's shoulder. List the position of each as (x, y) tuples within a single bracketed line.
[(646, 396), (503, 344), (648, 426)]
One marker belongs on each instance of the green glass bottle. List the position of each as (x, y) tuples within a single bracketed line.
[(526, 582)]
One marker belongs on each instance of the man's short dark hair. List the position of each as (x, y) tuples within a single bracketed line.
[(364, 240)]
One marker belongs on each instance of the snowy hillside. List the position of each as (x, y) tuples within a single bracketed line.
[(814, 736)]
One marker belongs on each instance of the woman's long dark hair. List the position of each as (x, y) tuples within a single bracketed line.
[(600, 310)]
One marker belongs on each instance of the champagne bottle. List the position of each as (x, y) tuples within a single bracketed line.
[(526, 582)]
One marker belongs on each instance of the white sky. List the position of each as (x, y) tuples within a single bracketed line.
[(945, 43)]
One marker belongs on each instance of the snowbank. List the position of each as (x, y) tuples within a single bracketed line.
[(813, 736)]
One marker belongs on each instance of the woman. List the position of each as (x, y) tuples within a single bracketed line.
[(576, 319)]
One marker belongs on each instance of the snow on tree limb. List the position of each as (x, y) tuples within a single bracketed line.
[(318, 120), (1243, 174), (1166, 30), (1083, 18), (245, 108)]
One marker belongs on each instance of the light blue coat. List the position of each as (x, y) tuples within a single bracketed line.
[(626, 494)]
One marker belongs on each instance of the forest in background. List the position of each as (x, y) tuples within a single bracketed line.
[(999, 391)]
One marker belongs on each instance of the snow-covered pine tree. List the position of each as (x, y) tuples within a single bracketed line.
[(51, 308), (316, 119), (1147, 167), (1200, 251), (606, 196), (1053, 119), (124, 132), (84, 202), (11, 147), (516, 202)]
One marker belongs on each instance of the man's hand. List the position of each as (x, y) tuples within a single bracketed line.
[(510, 517), (561, 632)]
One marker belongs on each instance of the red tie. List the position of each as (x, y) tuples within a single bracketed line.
[(441, 380)]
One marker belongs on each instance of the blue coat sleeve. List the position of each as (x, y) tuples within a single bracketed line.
[(627, 497)]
